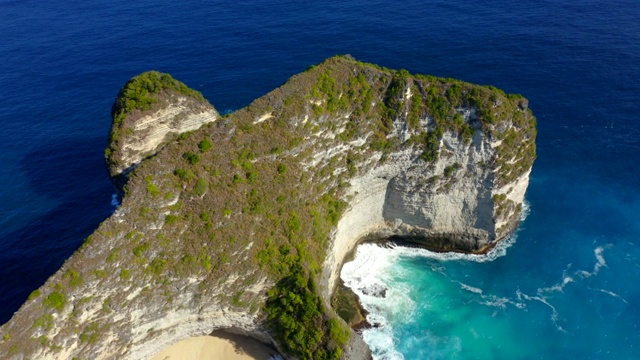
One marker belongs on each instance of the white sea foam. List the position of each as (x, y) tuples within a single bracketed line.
[(544, 294), (542, 299), (115, 201), (599, 264), (471, 288), (500, 302), (559, 287), (611, 293), (526, 210), (372, 272), (372, 269)]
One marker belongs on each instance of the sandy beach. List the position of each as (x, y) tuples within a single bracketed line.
[(218, 346)]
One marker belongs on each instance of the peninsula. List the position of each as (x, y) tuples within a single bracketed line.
[(240, 223)]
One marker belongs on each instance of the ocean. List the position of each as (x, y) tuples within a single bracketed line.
[(563, 286)]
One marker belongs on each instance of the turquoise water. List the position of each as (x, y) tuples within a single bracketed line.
[(561, 287), (565, 287)]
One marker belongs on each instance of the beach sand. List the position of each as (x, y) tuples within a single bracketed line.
[(219, 346)]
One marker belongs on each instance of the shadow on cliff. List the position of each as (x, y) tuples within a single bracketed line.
[(246, 345), (72, 174)]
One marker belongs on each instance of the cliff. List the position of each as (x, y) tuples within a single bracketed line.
[(243, 224), (149, 111)]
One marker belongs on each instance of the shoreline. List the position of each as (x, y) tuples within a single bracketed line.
[(344, 299)]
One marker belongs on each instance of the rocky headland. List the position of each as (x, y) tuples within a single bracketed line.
[(242, 222)]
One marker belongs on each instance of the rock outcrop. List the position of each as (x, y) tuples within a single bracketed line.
[(151, 110), (243, 224)]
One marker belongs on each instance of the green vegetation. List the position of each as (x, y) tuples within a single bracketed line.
[(450, 169), (192, 158), (201, 187), (99, 273), (252, 176), (505, 207), (137, 93), (157, 265), (152, 189), (55, 300), (299, 320), (171, 219), (432, 145), (205, 145), (106, 305), (125, 274), (113, 255), (75, 280), (44, 322), (91, 333), (34, 294), (394, 99), (185, 175), (416, 109), (140, 249)]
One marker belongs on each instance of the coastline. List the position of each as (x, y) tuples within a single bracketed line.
[(348, 304)]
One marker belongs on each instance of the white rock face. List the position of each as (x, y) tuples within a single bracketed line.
[(185, 323), (150, 328), (449, 203), (150, 132)]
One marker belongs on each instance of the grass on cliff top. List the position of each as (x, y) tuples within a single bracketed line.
[(138, 93), (242, 202)]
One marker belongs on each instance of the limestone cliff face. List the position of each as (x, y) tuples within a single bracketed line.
[(450, 205), (224, 224), (152, 130), (143, 128)]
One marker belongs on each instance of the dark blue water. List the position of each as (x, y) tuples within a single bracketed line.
[(577, 62)]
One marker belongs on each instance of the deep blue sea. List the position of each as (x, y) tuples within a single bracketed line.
[(564, 287)]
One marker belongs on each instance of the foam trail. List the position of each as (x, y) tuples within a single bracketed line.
[(554, 312), (566, 280), (611, 293), (500, 302), (471, 288), (543, 293), (497, 302), (600, 262)]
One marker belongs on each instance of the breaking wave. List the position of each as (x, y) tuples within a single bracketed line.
[(377, 280)]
